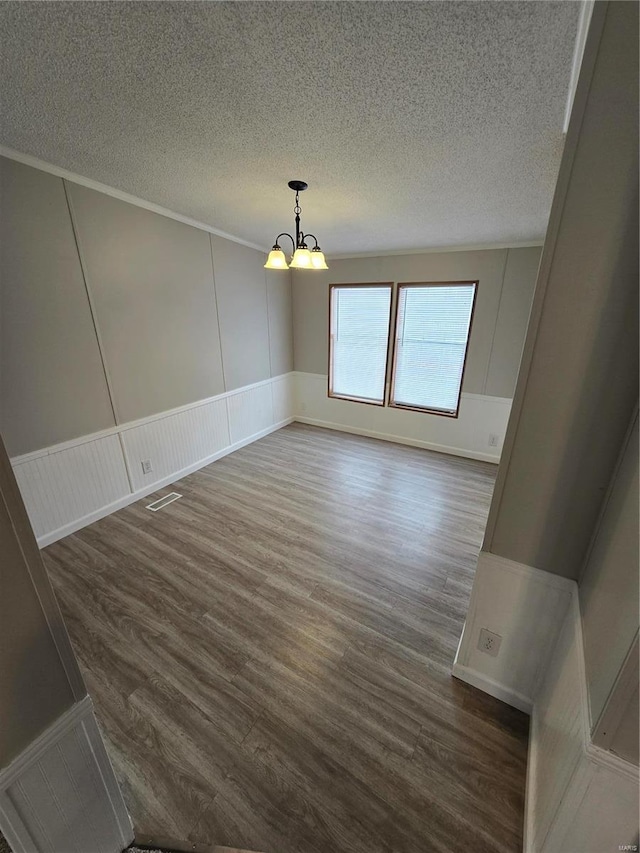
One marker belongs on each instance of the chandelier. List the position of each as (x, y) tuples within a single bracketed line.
[(303, 258)]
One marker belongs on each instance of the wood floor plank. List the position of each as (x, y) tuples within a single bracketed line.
[(270, 656)]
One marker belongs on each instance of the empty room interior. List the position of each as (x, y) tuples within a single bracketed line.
[(319, 421)]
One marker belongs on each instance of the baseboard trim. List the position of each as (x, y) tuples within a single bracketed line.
[(399, 439), (493, 688), (132, 497)]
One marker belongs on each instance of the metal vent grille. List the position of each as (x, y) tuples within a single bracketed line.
[(162, 502)]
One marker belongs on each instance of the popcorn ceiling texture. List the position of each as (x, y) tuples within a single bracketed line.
[(415, 124)]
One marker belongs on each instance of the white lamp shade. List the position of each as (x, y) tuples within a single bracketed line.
[(301, 259), (317, 260), (276, 260)]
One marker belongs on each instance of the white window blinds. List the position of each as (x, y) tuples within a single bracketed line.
[(432, 330), (359, 341)]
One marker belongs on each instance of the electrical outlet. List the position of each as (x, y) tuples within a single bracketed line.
[(147, 467), (489, 643), (494, 438)]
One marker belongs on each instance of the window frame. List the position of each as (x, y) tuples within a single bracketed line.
[(411, 284), (330, 392)]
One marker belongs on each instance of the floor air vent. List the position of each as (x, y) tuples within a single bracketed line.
[(162, 502)]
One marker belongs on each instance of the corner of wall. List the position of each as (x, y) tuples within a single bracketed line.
[(525, 607)]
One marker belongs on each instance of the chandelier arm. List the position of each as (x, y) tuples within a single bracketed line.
[(286, 234), (304, 237)]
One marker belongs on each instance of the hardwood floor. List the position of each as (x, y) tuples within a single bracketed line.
[(270, 655)]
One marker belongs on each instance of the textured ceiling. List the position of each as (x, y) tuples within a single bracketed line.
[(415, 124)]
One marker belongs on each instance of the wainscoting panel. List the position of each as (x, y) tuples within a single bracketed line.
[(283, 398), (61, 793), (74, 484), (555, 737), (176, 442), (579, 797), (61, 486), (467, 435), (250, 411), (525, 607)]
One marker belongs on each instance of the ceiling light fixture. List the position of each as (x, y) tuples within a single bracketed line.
[(303, 258)]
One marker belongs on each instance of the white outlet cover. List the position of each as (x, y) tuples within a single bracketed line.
[(494, 439), (489, 643), (147, 467)]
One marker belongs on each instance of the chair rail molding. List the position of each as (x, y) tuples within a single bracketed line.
[(70, 485)]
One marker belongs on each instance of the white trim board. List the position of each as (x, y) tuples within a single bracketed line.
[(67, 764), (399, 439), (65, 174), (492, 687)]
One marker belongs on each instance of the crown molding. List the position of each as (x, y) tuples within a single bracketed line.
[(59, 172), (473, 247)]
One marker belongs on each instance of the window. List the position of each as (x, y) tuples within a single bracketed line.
[(359, 341), (433, 322)]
